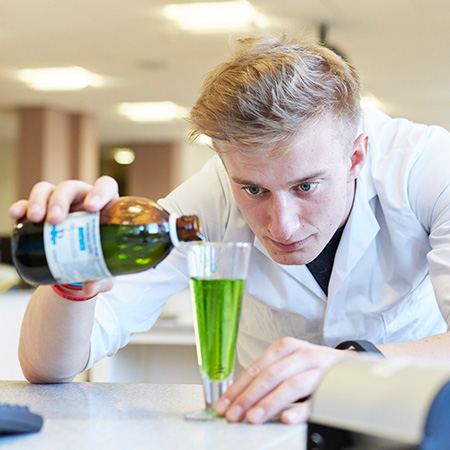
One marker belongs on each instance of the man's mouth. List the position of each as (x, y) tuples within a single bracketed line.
[(291, 246)]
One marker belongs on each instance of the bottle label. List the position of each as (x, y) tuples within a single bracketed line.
[(73, 249)]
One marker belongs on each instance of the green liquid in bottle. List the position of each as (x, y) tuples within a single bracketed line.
[(126, 249), (133, 248), (217, 308)]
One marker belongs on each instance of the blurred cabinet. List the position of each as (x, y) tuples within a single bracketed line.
[(164, 354)]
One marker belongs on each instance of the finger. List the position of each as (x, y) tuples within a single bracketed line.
[(298, 413), (37, 201), (278, 350), (76, 195), (18, 209), (104, 190), (91, 288), (284, 372), (254, 396), (290, 390), (67, 196), (307, 366)]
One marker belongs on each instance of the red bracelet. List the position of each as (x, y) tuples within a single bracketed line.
[(61, 290)]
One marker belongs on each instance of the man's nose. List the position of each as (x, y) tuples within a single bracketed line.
[(284, 219)]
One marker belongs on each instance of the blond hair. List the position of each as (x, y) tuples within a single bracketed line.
[(271, 89)]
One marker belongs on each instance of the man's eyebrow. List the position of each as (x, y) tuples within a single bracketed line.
[(312, 176), (242, 181)]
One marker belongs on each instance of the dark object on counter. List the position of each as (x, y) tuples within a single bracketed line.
[(322, 437), (15, 419), (5, 250)]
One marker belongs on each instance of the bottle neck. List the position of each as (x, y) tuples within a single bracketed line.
[(184, 228)]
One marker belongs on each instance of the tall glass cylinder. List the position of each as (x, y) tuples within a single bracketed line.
[(217, 273)]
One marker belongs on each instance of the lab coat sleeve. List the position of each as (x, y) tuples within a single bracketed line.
[(429, 192), (134, 305), (136, 301)]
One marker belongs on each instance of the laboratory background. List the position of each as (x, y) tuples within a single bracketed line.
[(95, 87)]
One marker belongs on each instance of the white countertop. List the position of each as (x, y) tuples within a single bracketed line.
[(134, 416)]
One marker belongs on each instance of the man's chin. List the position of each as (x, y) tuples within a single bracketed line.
[(290, 258)]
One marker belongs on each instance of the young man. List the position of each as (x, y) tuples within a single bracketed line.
[(347, 210)]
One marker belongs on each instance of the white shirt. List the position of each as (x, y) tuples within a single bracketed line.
[(391, 276)]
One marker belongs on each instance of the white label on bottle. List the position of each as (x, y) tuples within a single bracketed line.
[(73, 249)]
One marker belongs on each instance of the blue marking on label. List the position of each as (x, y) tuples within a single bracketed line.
[(56, 234), (81, 239)]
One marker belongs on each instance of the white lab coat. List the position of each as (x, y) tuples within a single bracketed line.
[(380, 289)]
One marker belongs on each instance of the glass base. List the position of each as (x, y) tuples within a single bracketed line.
[(203, 415), (212, 390)]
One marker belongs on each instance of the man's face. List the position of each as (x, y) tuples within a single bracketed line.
[(295, 201)]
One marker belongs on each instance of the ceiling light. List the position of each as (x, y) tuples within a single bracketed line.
[(210, 16), (152, 111), (124, 156), (58, 78)]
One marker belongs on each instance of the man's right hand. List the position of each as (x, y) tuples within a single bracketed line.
[(54, 202)]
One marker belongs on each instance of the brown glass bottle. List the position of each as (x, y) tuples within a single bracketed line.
[(131, 234)]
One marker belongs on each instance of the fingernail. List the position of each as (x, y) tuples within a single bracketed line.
[(255, 414), (94, 201), (234, 413), (55, 212), (222, 406), (291, 416), (34, 208), (15, 213)]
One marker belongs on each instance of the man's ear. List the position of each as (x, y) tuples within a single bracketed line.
[(358, 155)]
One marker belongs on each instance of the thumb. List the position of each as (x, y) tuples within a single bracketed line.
[(91, 288)]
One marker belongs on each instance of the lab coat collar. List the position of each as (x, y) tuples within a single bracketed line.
[(300, 273), (360, 230)]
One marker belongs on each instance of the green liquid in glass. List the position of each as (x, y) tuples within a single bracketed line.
[(217, 308)]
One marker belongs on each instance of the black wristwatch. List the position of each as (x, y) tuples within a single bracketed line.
[(359, 346)]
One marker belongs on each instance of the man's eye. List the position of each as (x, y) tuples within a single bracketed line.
[(253, 190), (306, 187)]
